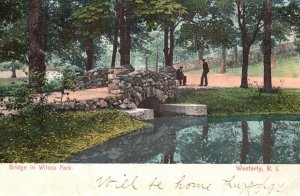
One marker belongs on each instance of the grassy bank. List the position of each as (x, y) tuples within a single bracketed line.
[(236, 101), (62, 134)]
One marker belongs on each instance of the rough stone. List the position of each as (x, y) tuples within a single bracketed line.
[(111, 76), (113, 86), (116, 92), (103, 104)]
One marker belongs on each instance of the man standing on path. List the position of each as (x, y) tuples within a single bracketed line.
[(204, 73)]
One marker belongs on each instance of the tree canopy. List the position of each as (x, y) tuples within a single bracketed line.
[(81, 32)]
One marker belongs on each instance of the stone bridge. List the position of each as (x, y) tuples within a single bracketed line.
[(125, 89), (142, 88)]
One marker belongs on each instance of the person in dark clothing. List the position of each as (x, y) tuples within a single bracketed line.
[(180, 76), (204, 73)]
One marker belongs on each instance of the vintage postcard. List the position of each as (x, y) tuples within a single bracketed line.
[(153, 97)]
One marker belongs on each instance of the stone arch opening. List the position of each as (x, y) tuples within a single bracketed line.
[(151, 103)]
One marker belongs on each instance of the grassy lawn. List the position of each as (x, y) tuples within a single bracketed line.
[(287, 65), (61, 135), (236, 101), (6, 82)]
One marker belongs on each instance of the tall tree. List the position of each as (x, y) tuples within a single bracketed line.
[(250, 21), (91, 21), (63, 42), (125, 16), (235, 56), (170, 13), (223, 60), (267, 44), (115, 34), (37, 44)]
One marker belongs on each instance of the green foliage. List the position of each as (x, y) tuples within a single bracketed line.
[(29, 104), (32, 105), (209, 24), (7, 85), (13, 30), (169, 12), (11, 10), (72, 23), (235, 101), (68, 80), (64, 134), (92, 20), (6, 66), (13, 41)]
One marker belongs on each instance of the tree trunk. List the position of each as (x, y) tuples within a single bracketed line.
[(166, 46), (235, 56), (146, 61), (267, 142), (45, 24), (13, 70), (205, 131), (36, 52), (267, 45), (116, 35), (156, 60), (122, 28), (127, 15), (172, 45), (200, 56), (169, 50), (244, 82), (89, 53), (247, 38), (223, 61), (125, 31), (156, 52), (245, 142), (274, 58)]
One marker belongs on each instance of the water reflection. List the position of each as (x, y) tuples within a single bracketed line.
[(245, 142), (267, 142), (187, 139)]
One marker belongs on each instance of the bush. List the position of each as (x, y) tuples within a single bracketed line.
[(31, 104)]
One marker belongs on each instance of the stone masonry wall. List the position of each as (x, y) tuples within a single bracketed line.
[(138, 86), (95, 78), (97, 103)]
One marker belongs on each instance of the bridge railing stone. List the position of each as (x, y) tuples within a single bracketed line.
[(140, 85), (95, 78)]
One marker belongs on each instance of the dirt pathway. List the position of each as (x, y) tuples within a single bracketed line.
[(223, 80)]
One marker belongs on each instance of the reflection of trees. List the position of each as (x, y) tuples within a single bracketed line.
[(169, 158), (245, 142), (286, 141), (267, 142), (222, 146), (205, 131)]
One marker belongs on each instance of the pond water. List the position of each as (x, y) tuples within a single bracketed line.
[(187, 139)]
